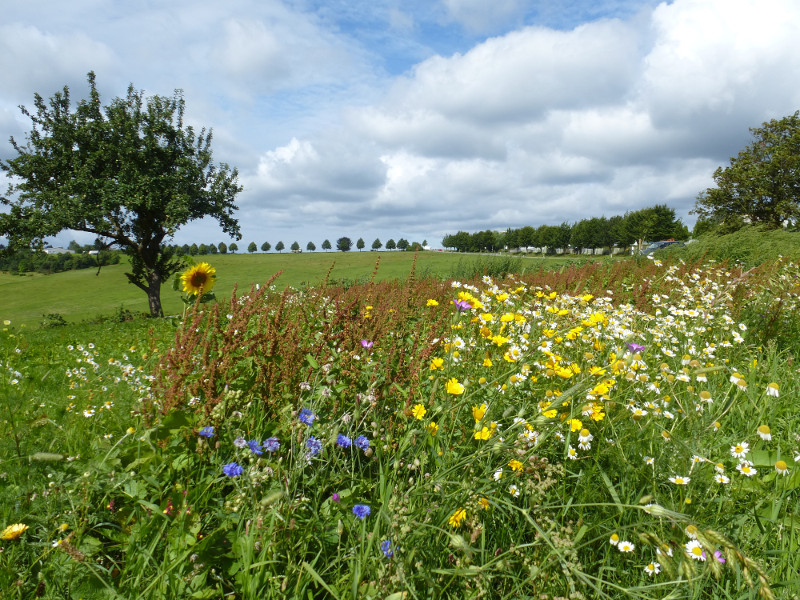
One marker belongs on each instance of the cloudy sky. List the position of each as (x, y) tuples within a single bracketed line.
[(417, 118)]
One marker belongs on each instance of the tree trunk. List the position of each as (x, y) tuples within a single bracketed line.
[(154, 295)]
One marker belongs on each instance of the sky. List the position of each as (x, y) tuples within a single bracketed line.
[(418, 118)]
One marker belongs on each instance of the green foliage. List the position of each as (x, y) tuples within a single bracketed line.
[(344, 244), (295, 246), (761, 184), (31, 261), (311, 246), (251, 247), (130, 173), (121, 493), (279, 246), (748, 246), (360, 244), (326, 245), (391, 245), (265, 247)]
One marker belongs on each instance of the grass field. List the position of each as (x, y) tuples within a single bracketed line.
[(607, 431), (86, 294)]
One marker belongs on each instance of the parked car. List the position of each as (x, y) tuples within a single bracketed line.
[(659, 245)]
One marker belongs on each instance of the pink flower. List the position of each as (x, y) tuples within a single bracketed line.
[(366, 344)]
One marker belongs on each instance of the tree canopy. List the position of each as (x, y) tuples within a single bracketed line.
[(344, 244), (762, 183), (131, 173)]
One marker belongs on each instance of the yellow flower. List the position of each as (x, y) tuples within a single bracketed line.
[(12, 532), (437, 363), (478, 412), (456, 518), (432, 302), (781, 467), (575, 424), (418, 411), (130, 430), (484, 434), (199, 279), (487, 362), (433, 428), (454, 387), (515, 465), (483, 501), (772, 390)]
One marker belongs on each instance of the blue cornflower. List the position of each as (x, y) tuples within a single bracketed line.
[(255, 447), (232, 469), (314, 445), (361, 511), (272, 444), (343, 441), (362, 442), (206, 432), (386, 547), (306, 417)]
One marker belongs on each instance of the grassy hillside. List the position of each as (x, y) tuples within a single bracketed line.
[(85, 294)]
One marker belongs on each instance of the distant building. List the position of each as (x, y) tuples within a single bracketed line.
[(57, 251)]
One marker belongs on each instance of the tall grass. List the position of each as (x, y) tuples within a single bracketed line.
[(553, 434)]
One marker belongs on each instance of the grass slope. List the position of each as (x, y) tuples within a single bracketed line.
[(85, 294)]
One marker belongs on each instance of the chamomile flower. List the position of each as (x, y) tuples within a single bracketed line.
[(649, 460), (772, 390), (764, 432), (781, 467), (695, 550), (614, 539), (746, 468), (722, 479), (513, 490), (625, 546), (679, 480), (653, 568), (740, 450)]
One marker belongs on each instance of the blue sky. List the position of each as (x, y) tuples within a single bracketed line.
[(389, 118)]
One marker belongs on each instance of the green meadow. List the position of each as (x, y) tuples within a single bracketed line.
[(86, 294), (488, 428)]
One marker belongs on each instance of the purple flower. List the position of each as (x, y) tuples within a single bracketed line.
[(306, 417), (462, 304), (362, 442), (361, 511), (366, 344), (272, 444), (719, 557), (635, 347), (314, 446), (240, 442), (232, 469), (343, 441), (335, 497), (206, 432), (386, 547), (255, 447)]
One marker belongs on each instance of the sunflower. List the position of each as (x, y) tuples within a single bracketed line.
[(12, 532), (199, 279)]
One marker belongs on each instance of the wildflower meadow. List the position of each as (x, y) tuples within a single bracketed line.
[(618, 430)]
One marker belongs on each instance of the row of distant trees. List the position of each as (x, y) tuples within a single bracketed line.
[(343, 244), (34, 261), (636, 227)]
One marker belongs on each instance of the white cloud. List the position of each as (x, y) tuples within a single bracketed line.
[(31, 58)]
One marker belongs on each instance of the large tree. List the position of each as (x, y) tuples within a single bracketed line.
[(131, 173), (343, 244), (762, 183)]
